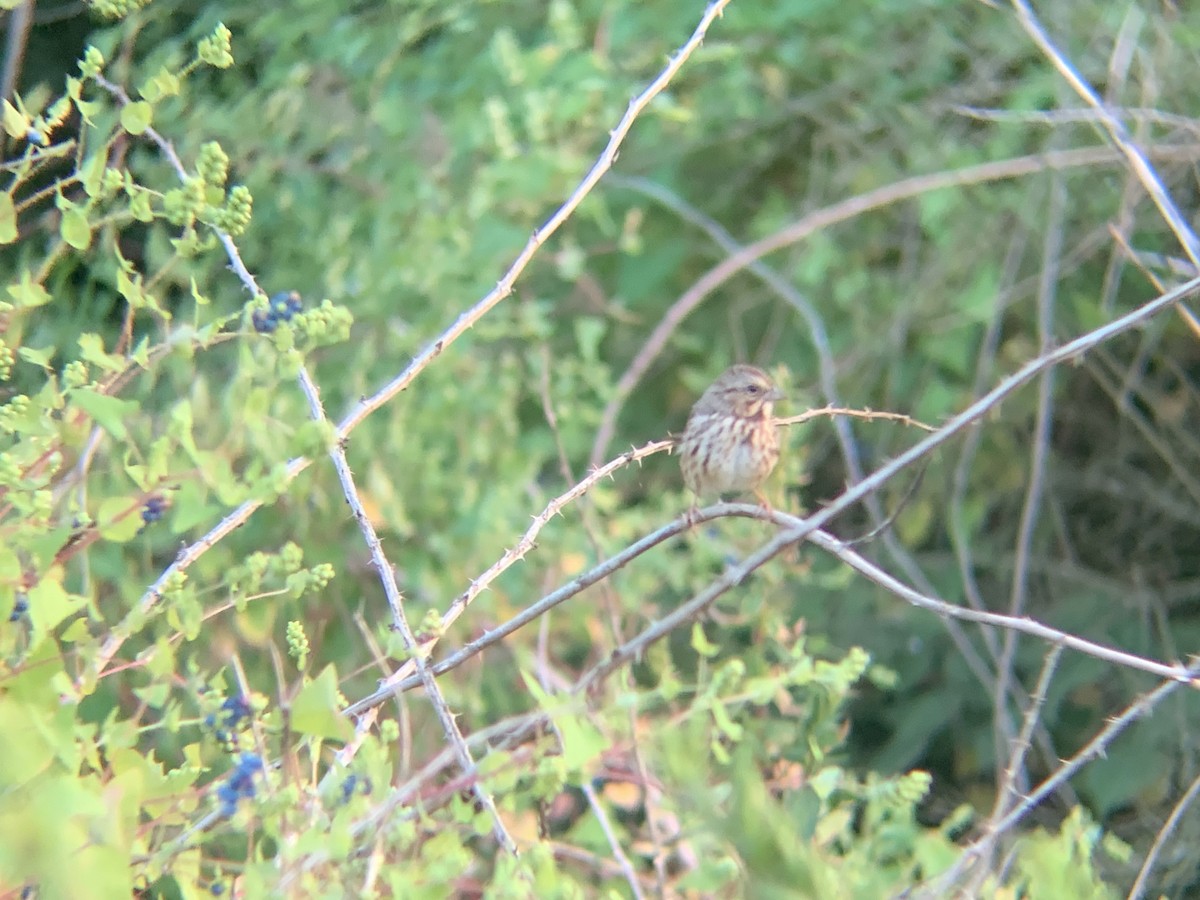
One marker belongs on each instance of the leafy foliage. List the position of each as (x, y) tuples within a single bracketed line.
[(201, 218)]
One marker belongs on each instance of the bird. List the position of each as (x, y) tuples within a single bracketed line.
[(731, 443)]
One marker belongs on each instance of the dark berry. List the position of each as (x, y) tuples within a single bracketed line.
[(20, 607), (348, 787), (250, 763), (153, 510), (217, 889), (228, 796), (235, 709), (264, 322), (240, 783), (285, 304)]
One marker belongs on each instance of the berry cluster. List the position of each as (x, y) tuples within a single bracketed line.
[(153, 510), (212, 164), (117, 9), (354, 783), (227, 719), (240, 783), (19, 608), (280, 308), (216, 50), (234, 216)]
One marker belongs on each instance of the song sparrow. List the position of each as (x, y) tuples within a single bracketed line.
[(731, 444)]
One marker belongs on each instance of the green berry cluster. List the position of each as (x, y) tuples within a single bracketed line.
[(431, 624), (212, 171), (117, 9), (174, 584), (327, 324), (140, 202), (110, 182), (309, 579), (320, 575), (182, 205), (212, 164), (41, 506), (297, 642), (10, 470), (6, 361), (259, 567), (217, 50), (75, 374), (234, 218), (14, 413), (92, 63), (291, 557), (253, 570)]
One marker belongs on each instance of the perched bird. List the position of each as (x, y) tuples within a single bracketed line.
[(731, 443)]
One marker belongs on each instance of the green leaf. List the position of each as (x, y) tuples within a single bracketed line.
[(40, 358), (45, 547), (158, 460), (24, 743), (131, 289), (200, 299), (91, 350), (165, 84), (316, 710), (75, 229), (92, 173), (186, 614), (728, 727), (136, 116), (700, 642), (8, 219), (88, 109), (139, 205), (118, 519), (589, 331), (109, 412), (141, 353), (190, 507), (36, 683), (1132, 768), (27, 293), (15, 122), (581, 741), (10, 566), (75, 632), (50, 604)]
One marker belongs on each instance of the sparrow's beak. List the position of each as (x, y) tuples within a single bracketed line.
[(774, 395)]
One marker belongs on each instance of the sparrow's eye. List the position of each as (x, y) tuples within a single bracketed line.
[(752, 389)]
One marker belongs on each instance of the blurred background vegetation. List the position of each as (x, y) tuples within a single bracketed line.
[(399, 154)]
